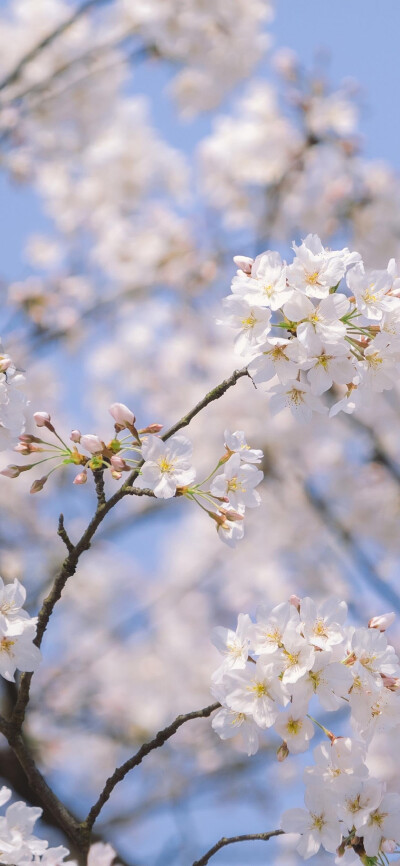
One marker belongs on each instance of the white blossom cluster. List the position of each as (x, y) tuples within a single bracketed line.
[(168, 466), (17, 632), (270, 672), (19, 846), (163, 467), (304, 332), (203, 36)]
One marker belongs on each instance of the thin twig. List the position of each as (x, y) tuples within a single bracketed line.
[(215, 394), (62, 532), (15, 73), (158, 741), (248, 837)]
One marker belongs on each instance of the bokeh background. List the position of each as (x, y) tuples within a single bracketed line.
[(144, 147)]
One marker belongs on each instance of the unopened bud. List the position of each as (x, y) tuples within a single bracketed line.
[(243, 263), (152, 428), (12, 471), (382, 622), (75, 435), (220, 519), (118, 463), (92, 443), (80, 478), (231, 514), (38, 484), (42, 419), (282, 752), (389, 846), (123, 416), (27, 448), (27, 437), (391, 683), (295, 601)]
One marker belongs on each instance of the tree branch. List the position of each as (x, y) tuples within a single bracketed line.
[(38, 784), (158, 741), (248, 837), (98, 476), (15, 73), (215, 394)]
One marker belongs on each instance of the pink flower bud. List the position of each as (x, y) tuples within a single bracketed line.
[(152, 428), (383, 621), (27, 448), (122, 415), (282, 752), (231, 514), (81, 478), (391, 683), (42, 419), (118, 463), (92, 443), (11, 471), (22, 448), (295, 601), (75, 435), (38, 484), (244, 263)]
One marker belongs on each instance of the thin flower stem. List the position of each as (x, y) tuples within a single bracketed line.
[(325, 730), (200, 484), (231, 840), (67, 448)]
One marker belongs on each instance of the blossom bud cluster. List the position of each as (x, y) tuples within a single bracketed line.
[(321, 321), (19, 845), (162, 467), (17, 632), (270, 672)]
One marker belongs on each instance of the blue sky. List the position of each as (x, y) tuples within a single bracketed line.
[(362, 38), (361, 42)]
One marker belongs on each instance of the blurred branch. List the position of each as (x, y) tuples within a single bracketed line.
[(248, 837), (158, 741), (367, 570), (15, 73)]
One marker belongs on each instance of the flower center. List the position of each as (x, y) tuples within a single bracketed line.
[(249, 322), (318, 821), (260, 689), (312, 279), (294, 726), (296, 396), (6, 644)]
